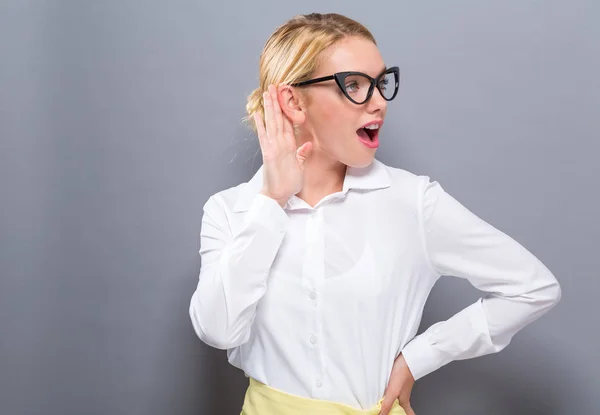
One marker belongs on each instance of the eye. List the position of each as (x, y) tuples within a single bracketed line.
[(352, 86), (383, 83)]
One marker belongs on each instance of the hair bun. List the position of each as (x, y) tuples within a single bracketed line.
[(254, 104)]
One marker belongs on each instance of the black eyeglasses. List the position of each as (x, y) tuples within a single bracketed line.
[(358, 87)]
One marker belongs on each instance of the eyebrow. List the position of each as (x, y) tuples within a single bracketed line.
[(385, 68)]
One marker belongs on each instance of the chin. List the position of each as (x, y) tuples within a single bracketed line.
[(360, 161)]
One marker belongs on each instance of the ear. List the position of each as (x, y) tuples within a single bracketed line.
[(291, 102)]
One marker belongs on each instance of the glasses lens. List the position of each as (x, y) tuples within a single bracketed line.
[(357, 87), (387, 85)]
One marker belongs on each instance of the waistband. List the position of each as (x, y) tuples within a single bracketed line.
[(262, 399)]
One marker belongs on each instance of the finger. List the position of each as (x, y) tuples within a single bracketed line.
[(260, 130), (270, 124), (289, 135), (386, 405), (408, 409), (303, 152), (287, 126), (276, 109)]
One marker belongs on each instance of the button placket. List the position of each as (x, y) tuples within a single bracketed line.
[(312, 238), (313, 276)]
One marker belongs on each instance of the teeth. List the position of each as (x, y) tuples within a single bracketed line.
[(372, 127)]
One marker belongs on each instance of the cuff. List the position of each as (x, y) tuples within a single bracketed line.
[(420, 356), (268, 213)]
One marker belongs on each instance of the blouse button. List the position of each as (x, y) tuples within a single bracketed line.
[(313, 339), (319, 383), (312, 295)]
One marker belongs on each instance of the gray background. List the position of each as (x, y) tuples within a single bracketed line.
[(119, 119)]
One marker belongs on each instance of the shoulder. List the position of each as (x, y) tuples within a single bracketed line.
[(226, 199), (401, 176), (404, 183)]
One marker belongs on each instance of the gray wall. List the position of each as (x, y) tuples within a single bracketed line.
[(119, 119)]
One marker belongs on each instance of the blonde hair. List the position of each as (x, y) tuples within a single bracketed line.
[(293, 50)]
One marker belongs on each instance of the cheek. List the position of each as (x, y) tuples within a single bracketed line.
[(336, 114)]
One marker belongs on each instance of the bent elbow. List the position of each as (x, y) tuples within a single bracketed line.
[(550, 293), (212, 330), (554, 293)]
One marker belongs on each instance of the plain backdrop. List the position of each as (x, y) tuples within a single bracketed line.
[(119, 118)]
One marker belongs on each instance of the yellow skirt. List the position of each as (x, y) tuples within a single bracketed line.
[(262, 399)]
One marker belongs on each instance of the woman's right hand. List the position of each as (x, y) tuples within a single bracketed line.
[(283, 163)]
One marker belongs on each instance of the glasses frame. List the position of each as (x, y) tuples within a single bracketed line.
[(340, 77)]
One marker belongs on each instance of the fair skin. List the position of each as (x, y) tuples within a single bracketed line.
[(311, 164)]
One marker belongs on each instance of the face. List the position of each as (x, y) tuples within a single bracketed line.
[(331, 121)]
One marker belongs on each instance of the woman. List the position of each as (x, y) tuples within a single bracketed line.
[(315, 272)]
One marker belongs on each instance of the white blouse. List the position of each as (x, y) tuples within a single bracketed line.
[(318, 302)]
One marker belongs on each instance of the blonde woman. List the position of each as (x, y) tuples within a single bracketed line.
[(315, 272)]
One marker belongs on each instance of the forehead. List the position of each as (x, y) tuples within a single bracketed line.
[(352, 54)]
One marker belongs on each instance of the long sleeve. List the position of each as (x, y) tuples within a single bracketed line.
[(234, 270), (518, 287)]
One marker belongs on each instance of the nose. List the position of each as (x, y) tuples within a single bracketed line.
[(376, 102)]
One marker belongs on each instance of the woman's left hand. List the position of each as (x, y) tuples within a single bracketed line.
[(400, 387)]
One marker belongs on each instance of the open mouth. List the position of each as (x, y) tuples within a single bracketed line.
[(369, 132)]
